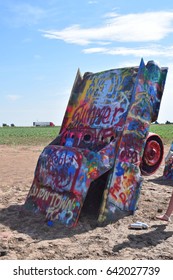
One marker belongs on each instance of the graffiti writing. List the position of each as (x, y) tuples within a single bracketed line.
[(57, 168), (96, 116), (54, 204), (129, 154)]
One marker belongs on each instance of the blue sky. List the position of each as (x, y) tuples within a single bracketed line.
[(44, 42)]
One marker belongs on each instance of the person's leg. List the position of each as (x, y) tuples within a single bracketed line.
[(166, 216)]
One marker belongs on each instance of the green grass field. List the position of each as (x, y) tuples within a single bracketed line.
[(28, 135), (165, 131), (44, 135)]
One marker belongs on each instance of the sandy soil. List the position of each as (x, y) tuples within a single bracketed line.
[(28, 237)]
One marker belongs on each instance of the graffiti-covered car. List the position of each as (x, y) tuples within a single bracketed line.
[(103, 148)]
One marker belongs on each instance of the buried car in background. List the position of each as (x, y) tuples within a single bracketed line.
[(103, 147)]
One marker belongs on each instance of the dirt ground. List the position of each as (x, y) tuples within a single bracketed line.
[(28, 237)]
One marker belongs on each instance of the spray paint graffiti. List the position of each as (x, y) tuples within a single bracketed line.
[(57, 168), (126, 182), (104, 131), (168, 170), (153, 154), (55, 206)]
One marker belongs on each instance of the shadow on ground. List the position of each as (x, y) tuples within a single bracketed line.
[(35, 225), (161, 181), (147, 239)]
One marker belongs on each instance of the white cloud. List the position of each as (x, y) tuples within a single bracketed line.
[(73, 34), (141, 27), (13, 97), (148, 51), (95, 50)]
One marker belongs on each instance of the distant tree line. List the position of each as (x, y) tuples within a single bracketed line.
[(4, 125), (167, 122)]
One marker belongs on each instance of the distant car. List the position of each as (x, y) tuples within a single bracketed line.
[(43, 124)]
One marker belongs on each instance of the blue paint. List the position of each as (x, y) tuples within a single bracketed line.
[(50, 223)]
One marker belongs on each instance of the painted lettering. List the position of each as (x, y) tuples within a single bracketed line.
[(122, 197), (95, 115)]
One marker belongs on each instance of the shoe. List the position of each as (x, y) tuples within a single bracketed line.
[(164, 218)]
